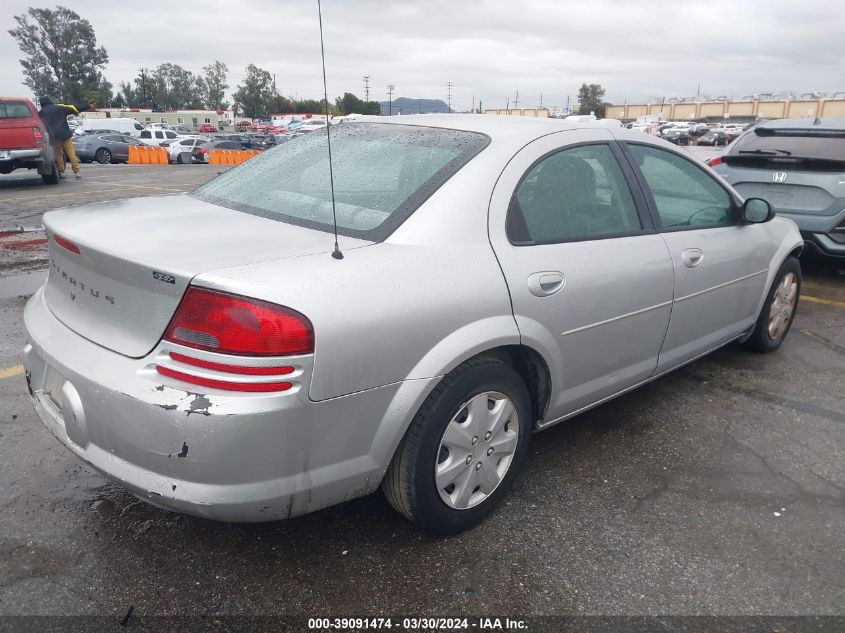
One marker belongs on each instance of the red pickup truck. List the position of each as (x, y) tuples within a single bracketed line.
[(23, 140)]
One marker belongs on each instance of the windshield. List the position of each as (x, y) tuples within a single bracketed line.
[(791, 143), (382, 174)]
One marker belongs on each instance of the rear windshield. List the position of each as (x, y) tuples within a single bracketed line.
[(14, 110), (823, 145), (382, 174)]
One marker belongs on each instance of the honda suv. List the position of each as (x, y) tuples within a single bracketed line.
[(798, 166)]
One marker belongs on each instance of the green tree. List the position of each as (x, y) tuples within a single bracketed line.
[(351, 104), (60, 56), (176, 88), (280, 104), (214, 84), (254, 96), (590, 98)]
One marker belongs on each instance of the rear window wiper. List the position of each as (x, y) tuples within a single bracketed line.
[(765, 152)]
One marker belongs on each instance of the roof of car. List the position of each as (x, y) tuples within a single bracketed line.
[(484, 123), (802, 124)]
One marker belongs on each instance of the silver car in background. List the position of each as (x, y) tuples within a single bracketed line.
[(495, 276)]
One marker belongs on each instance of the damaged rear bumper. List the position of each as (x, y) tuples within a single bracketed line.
[(242, 457)]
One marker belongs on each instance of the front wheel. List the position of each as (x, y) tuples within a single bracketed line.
[(779, 309), (463, 449), (103, 156)]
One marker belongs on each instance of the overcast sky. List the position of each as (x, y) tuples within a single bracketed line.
[(489, 49)]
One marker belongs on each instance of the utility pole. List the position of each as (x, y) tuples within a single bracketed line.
[(568, 111), (366, 87), (508, 106), (473, 105), (449, 85), (390, 89), (516, 101), (275, 92), (541, 100), (480, 107), (144, 86)]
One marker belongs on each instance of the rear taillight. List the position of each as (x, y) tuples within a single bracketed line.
[(39, 137), (231, 324), (714, 161), (66, 244)]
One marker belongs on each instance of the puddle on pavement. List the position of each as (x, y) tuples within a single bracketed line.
[(23, 284)]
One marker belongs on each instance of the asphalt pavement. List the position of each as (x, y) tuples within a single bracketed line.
[(716, 490)]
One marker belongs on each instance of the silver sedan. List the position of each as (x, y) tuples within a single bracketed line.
[(235, 353)]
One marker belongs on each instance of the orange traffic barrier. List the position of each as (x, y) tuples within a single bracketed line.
[(133, 155), (163, 156)]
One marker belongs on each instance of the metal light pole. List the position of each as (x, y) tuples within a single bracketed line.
[(449, 85), (390, 89), (366, 87)]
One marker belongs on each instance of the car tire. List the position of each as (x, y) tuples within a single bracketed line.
[(411, 483), (52, 178), (103, 156), (779, 309)]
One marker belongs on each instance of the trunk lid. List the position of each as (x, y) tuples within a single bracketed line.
[(137, 257)]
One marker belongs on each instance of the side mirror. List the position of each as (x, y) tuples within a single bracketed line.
[(757, 211)]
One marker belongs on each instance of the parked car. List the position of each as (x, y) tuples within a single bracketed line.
[(178, 147), (201, 150), (285, 362), (206, 128), (24, 143), (271, 140), (120, 125), (798, 166), (156, 137), (309, 126), (182, 129), (677, 135), (244, 139), (713, 137), (104, 148)]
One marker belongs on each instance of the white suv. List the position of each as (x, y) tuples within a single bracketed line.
[(157, 137)]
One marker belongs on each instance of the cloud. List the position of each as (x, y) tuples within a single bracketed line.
[(488, 49)]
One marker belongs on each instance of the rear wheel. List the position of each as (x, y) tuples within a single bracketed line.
[(103, 156), (52, 178), (463, 449), (779, 309)]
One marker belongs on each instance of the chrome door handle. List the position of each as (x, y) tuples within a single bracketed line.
[(692, 257), (546, 283)]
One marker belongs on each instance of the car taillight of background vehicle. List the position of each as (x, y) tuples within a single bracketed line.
[(714, 161), (239, 326)]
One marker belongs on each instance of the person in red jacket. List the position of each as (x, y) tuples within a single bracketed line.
[(55, 120)]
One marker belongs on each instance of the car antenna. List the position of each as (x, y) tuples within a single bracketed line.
[(336, 253)]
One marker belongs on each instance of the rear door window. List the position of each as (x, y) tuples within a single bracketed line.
[(573, 194)]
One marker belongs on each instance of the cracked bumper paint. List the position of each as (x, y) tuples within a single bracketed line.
[(243, 457)]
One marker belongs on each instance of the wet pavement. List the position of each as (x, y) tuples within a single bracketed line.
[(719, 489)]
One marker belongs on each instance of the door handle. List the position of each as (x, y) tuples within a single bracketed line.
[(546, 283), (692, 257)]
